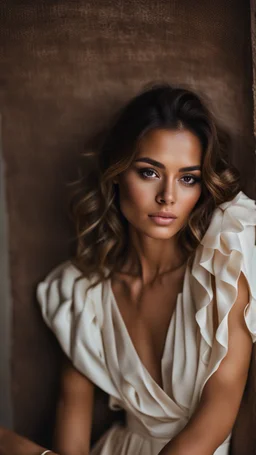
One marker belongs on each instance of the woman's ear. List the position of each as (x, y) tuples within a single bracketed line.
[(116, 181)]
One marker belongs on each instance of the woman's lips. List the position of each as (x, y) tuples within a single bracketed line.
[(162, 221)]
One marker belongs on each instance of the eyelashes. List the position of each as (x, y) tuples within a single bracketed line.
[(143, 172), (188, 179), (195, 179)]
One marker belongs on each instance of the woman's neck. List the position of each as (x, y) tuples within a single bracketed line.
[(150, 258)]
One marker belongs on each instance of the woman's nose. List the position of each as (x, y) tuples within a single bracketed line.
[(167, 194)]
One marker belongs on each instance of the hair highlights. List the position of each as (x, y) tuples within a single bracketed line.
[(100, 226)]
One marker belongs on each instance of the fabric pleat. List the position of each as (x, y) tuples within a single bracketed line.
[(92, 333)]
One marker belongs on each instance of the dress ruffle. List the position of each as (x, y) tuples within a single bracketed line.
[(74, 314), (227, 249), (90, 330)]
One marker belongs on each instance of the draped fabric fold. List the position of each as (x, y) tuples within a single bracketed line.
[(226, 251), (92, 333)]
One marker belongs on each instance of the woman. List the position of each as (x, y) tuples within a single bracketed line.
[(158, 307), (14, 444)]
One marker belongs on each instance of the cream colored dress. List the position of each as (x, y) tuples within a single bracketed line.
[(91, 331)]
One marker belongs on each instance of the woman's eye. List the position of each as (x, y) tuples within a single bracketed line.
[(190, 179), (147, 173)]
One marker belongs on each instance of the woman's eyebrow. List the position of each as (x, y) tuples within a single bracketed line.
[(190, 168), (150, 161), (162, 166)]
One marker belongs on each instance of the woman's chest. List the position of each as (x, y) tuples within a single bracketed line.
[(146, 317)]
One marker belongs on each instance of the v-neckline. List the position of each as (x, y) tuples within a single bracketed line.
[(113, 299)]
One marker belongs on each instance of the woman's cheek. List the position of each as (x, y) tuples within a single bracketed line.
[(192, 201), (186, 198), (129, 198), (135, 191)]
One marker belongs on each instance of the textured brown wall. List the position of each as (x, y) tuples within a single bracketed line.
[(65, 67)]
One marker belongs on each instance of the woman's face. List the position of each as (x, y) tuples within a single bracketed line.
[(162, 185)]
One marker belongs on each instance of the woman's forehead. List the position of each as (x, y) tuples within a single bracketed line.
[(170, 145)]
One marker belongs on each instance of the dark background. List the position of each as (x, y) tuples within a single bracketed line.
[(66, 66)]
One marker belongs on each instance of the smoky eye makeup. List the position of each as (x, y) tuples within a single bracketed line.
[(195, 179), (147, 173)]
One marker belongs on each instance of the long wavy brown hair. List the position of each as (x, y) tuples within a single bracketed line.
[(101, 229)]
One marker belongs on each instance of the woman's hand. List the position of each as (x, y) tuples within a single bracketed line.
[(12, 443), (176, 451), (181, 445), (176, 447)]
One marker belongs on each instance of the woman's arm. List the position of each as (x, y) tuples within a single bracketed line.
[(13, 444), (74, 413), (214, 418)]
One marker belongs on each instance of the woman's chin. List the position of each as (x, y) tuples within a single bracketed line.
[(160, 234)]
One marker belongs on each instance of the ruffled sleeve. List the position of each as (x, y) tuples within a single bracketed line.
[(74, 314), (227, 249)]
